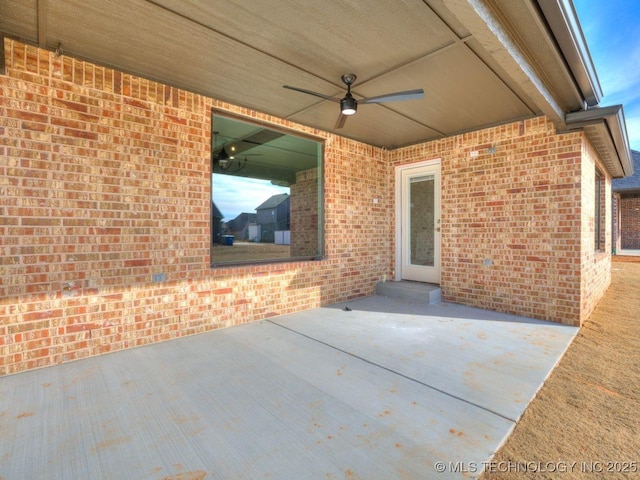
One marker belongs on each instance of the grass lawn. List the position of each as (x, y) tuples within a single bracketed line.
[(240, 251)]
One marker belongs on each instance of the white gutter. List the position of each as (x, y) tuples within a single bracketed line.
[(604, 126), (563, 21), (607, 129)]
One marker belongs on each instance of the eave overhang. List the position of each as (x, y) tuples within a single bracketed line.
[(604, 126), (626, 191), (606, 129), (563, 21)]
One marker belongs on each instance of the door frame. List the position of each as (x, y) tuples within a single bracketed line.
[(399, 169)]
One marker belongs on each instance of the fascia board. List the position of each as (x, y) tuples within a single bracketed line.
[(612, 124), (565, 26)]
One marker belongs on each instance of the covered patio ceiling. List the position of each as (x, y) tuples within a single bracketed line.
[(479, 62)]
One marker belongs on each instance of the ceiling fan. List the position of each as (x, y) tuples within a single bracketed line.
[(349, 105), (227, 162)]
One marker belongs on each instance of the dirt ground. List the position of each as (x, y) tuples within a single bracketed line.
[(585, 421)]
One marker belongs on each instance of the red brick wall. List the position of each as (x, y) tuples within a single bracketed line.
[(304, 214), (630, 220), (595, 264), (104, 181), (511, 219)]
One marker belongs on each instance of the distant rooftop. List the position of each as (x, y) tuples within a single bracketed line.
[(215, 211), (273, 201), (631, 183)]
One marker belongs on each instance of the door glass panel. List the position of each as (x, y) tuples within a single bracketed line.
[(421, 220)]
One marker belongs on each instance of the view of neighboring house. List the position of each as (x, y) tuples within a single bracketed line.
[(239, 226), (626, 209), (273, 215)]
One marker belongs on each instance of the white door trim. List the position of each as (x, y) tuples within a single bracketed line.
[(399, 169)]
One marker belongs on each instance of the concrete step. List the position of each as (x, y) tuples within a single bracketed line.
[(410, 291)]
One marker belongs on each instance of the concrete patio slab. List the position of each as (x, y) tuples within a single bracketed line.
[(493, 360), (384, 390)]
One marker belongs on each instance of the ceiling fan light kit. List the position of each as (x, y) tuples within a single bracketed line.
[(349, 105), (222, 162)]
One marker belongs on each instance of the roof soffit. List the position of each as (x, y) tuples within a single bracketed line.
[(243, 54), (606, 129), (496, 30)]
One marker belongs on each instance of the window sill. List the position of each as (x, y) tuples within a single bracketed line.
[(249, 263)]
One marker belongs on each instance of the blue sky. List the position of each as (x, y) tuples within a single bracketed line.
[(612, 31)]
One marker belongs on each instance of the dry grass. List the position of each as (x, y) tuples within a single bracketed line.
[(588, 411), (240, 251)]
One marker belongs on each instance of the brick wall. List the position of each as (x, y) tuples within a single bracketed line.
[(630, 220), (511, 219), (304, 214), (595, 264), (104, 181)]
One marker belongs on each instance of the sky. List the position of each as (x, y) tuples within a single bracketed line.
[(236, 195), (612, 31)]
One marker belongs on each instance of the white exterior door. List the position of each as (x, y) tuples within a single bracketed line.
[(418, 229)]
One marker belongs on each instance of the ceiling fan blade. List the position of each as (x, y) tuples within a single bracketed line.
[(315, 94), (340, 122), (395, 97)]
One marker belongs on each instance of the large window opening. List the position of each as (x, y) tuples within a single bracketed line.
[(266, 194)]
